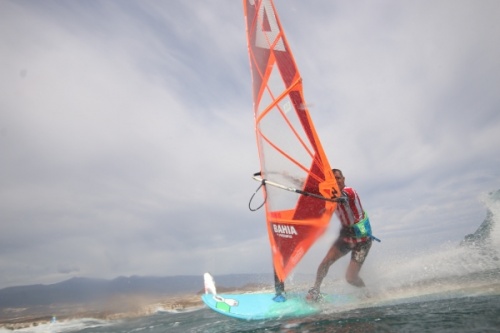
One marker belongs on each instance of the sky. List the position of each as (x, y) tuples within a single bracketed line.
[(127, 139)]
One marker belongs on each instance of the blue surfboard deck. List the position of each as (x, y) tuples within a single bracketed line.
[(260, 306)]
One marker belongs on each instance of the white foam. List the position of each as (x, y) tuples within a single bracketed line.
[(64, 326)]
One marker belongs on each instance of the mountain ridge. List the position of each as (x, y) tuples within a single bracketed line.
[(84, 290)]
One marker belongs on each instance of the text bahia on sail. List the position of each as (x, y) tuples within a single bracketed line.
[(292, 159)]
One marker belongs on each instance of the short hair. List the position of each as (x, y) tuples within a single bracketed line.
[(339, 171)]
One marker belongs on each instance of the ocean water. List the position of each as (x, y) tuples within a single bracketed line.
[(461, 303), (447, 313), (455, 289)]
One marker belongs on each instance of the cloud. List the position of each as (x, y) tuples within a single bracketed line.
[(127, 139)]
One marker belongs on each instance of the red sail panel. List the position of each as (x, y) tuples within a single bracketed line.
[(289, 148)]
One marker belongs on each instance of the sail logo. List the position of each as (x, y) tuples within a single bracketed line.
[(267, 29), (285, 231)]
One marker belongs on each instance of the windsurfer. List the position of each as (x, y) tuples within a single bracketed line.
[(351, 215)]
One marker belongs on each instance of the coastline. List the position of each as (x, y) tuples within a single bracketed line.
[(123, 307), (117, 308)]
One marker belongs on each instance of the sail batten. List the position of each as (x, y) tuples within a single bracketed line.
[(290, 152)]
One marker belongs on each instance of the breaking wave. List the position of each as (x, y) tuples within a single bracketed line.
[(471, 267)]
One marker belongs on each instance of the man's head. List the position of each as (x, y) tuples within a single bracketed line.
[(339, 177)]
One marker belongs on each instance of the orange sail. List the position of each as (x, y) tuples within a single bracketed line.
[(290, 152)]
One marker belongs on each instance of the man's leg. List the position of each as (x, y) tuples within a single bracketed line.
[(352, 275), (334, 253), (358, 257)]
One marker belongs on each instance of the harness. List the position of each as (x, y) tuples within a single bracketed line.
[(363, 228)]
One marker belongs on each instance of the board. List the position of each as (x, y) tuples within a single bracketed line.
[(258, 306), (261, 306)]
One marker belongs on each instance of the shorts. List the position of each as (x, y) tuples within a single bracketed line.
[(359, 251)]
